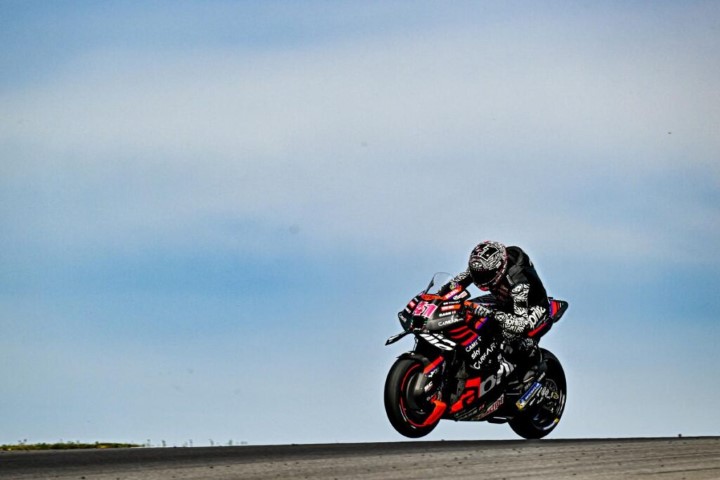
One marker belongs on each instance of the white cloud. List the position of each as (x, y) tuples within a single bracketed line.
[(351, 141)]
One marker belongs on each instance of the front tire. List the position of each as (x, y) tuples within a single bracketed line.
[(406, 413), (542, 419)]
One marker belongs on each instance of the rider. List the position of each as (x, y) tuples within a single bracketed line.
[(519, 299)]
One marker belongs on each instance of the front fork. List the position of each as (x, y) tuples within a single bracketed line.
[(426, 387)]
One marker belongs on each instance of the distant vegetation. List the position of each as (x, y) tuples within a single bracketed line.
[(66, 445)]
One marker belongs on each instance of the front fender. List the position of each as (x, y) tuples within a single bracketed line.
[(415, 356)]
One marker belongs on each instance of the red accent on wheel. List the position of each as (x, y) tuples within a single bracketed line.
[(403, 386)]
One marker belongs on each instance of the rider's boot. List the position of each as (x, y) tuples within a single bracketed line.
[(531, 380)]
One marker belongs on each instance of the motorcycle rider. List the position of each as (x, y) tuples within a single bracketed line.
[(518, 297)]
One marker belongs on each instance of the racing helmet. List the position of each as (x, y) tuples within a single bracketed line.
[(487, 263)]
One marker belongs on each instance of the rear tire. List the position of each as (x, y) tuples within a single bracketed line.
[(542, 419), (404, 412)]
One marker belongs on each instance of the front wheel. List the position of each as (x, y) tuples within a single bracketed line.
[(406, 413), (542, 418)]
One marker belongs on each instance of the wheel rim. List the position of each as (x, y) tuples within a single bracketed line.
[(547, 413)]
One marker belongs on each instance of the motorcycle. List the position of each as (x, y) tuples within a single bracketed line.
[(431, 382)]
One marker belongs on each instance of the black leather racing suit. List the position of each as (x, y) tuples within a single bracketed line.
[(521, 302)]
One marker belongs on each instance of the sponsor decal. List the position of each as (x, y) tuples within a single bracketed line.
[(450, 307), (469, 414), (472, 345), (528, 396), (453, 292), (424, 309), (484, 356), (461, 295), (487, 352), (439, 342), (492, 408), (450, 321), (490, 382)]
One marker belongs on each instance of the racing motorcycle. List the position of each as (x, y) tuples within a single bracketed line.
[(432, 382)]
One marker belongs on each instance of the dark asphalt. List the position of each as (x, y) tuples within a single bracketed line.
[(665, 458)]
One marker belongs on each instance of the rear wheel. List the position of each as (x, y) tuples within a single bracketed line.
[(406, 412), (541, 419)]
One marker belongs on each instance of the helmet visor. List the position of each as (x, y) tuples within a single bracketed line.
[(482, 277)]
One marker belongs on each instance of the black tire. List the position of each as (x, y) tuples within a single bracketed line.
[(404, 413), (542, 419)]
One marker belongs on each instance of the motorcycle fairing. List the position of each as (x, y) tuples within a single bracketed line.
[(469, 396), (481, 412), (556, 309), (395, 338), (429, 312), (473, 405)]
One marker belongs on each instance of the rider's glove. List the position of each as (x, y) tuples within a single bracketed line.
[(482, 311), (447, 288)]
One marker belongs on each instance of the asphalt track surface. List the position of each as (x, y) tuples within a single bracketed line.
[(640, 458)]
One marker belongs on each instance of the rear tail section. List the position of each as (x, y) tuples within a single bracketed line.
[(556, 309)]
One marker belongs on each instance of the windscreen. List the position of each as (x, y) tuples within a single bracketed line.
[(439, 280)]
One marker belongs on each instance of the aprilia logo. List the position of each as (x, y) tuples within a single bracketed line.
[(489, 383), (439, 342)]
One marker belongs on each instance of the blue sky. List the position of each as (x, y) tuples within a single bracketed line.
[(212, 211)]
